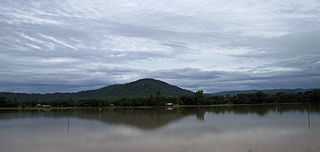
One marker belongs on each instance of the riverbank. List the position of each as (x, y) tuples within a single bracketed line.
[(138, 107)]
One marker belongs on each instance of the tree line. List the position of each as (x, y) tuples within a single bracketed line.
[(198, 98)]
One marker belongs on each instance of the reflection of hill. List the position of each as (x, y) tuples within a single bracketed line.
[(142, 119), (153, 119)]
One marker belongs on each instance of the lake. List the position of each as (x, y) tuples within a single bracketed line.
[(294, 128)]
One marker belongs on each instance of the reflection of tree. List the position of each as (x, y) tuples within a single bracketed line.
[(309, 122), (200, 115)]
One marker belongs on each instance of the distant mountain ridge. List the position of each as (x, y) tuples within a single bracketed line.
[(267, 91)]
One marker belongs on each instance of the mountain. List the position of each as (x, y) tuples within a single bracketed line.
[(268, 91), (139, 88)]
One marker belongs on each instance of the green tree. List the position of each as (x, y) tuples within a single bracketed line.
[(199, 96)]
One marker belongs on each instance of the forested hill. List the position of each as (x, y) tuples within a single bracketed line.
[(137, 89)]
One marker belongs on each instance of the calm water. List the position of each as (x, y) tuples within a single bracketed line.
[(242, 129)]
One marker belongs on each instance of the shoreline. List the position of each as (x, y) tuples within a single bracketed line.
[(140, 107)]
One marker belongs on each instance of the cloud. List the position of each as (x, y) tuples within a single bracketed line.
[(209, 45)]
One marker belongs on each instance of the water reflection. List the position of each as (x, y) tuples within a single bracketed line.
[(263, 128)]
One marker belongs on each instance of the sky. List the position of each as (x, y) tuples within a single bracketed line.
[(214, 45)]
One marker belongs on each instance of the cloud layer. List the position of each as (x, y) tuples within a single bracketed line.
[(70, 45)]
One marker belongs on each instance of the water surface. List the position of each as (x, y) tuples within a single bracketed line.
[(237, 129)]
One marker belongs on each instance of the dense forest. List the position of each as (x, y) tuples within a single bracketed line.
[(157, 99)]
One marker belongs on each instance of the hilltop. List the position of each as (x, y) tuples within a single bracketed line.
[(139, 88)]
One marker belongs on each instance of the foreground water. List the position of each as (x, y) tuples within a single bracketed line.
[(237, 129)]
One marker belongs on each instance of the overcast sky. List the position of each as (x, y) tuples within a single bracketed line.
[(71, 45)]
